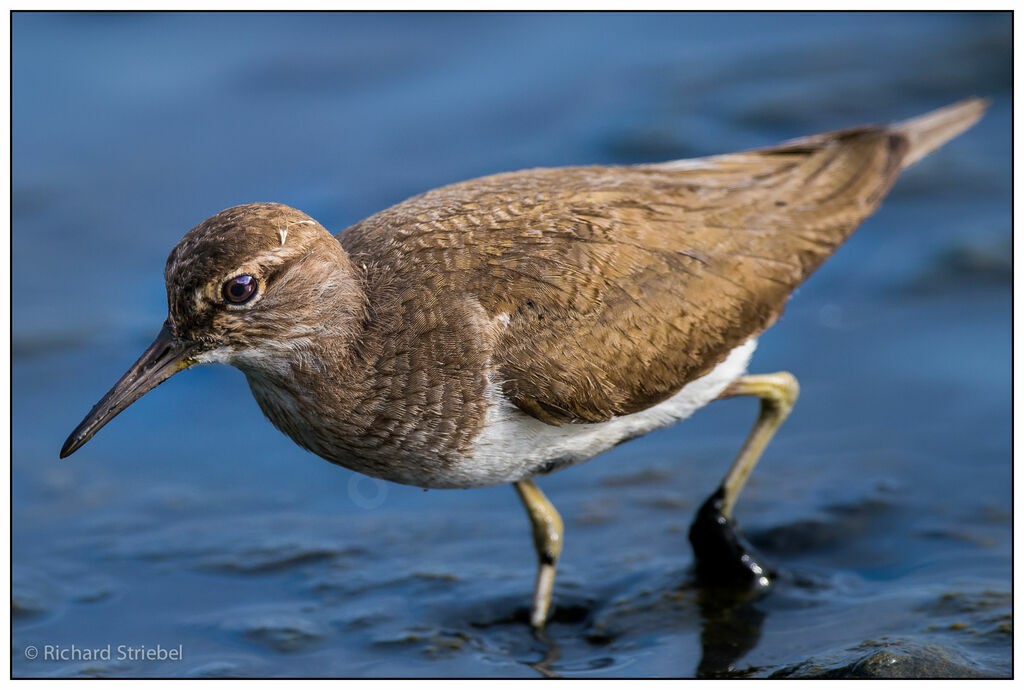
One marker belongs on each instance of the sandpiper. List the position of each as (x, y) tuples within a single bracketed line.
[(510, 326)]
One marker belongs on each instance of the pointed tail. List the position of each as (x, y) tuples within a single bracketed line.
[(931, 130)]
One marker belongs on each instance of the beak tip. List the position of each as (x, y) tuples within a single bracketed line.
[(164, 358), (68, 448), (76, 440)]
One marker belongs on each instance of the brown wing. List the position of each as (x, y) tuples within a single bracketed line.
[(674, 267), (622, 284)]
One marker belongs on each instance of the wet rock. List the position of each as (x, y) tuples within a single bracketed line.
[(889, 659), (909, 661)]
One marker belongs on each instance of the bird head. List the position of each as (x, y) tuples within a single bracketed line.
[(247, 287)]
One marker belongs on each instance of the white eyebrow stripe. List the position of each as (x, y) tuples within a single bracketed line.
[(283, 232)]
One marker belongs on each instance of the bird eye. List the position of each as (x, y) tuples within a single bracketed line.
[(240, 289)]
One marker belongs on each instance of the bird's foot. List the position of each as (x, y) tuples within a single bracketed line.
[(724, 558)]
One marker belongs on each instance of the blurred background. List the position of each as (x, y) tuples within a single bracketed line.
[(885, 501)]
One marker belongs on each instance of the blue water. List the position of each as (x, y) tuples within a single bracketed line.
[(885, 500)]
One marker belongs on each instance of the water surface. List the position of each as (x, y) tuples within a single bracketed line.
[(884, 501)]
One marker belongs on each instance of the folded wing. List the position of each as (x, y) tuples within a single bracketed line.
[(619, 285)]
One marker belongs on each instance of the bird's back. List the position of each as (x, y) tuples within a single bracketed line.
[(607, 289)]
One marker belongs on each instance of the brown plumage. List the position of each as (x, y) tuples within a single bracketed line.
[(622, 284), (503, 327)]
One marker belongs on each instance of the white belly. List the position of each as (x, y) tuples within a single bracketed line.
[(514, 445)]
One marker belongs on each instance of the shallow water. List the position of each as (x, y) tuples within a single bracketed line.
[(189, 523)]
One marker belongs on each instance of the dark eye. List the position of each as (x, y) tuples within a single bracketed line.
[(240, 289)]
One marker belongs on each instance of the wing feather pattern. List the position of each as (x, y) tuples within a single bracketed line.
[(622, 284)]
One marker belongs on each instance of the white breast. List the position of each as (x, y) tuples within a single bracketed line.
[(514, 445)]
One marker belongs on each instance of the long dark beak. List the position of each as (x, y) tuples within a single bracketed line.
[(161, 360)]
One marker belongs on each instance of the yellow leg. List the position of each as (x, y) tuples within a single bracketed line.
[(547, 538), (724, 557), (777, 392)]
